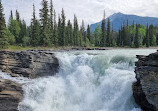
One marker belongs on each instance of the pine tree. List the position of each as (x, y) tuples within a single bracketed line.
[(63, 37), (22, 26), (147, 36), (3, 37), (124, 36), (22, 30), (151, 35), (89, 34), (69, 33), (80, 38), (11, 20), (59, 32), (103, 38), (51, 16), (51, 24), (75, 32), (35, 34), (11, 16), (55, 31), (44, 19), (127, 23), (119, 38), (133, 24), (84, 38), (108, 40), (137, 37), (14, 28), (17, 16), (96, 34)]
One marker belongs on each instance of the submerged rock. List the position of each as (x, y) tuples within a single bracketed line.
[(10, 95), (33, 63), (145, 90)]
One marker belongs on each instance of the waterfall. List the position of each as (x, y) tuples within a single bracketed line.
[(86, 81)]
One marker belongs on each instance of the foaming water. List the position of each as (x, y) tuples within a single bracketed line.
[(87, 81), (20, 80)]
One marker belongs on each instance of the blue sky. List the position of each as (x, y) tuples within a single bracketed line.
[(89, 10)]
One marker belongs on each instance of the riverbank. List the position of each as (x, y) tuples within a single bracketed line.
[(20, 48)]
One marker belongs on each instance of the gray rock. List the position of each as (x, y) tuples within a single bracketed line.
[(10, 95), (32, 64), (145, 90)]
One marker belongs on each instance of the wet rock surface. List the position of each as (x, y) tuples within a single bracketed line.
[(145, 90), (10, 95), (31, 64)]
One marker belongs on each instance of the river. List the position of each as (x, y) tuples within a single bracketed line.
[(86, 81)]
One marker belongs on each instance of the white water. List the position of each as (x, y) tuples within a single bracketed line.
[(87, 81)]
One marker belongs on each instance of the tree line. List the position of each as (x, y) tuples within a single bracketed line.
[(47, 31)]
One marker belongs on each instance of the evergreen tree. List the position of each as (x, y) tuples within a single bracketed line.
[(11, 20), (22, 30), (59, 31), (147, 36), (103, 38), (133, 24), (97, 35), (108, 40), (151, 35), (35, 34), (80, 38), (51, 24), (75, 32), (55, 31), (69, 34), (3, 37), (14, 28), (119, 38), (17, 16), (89, 34), (18, 22), (84, 38), (44, 19), (137, 36), (63, 37), (51, 17), (124, 36), (127, 23)]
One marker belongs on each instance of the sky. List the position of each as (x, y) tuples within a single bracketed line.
[(91, 11)]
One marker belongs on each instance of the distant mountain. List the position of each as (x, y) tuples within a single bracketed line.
[(119, 18)]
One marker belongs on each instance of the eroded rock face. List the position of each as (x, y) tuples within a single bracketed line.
[(10, 95), (145, 90), (30, 64)]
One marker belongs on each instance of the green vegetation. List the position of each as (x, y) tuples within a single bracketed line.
[(50, 32)]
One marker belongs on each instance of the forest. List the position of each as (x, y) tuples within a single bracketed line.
[(51, 30)]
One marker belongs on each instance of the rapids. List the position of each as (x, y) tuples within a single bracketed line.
[(86, 81)]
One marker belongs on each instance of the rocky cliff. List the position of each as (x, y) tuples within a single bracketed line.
[(145, 90), (10, 95), (29, 63)]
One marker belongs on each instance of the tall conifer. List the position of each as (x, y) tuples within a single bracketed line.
[(3, 37)]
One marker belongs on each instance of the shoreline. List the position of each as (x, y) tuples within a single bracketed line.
[(18, 48)]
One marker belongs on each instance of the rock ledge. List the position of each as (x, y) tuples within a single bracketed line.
[(10, 95), (145, 90), (31, 64)]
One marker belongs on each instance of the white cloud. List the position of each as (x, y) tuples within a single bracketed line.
[(89, 10)]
